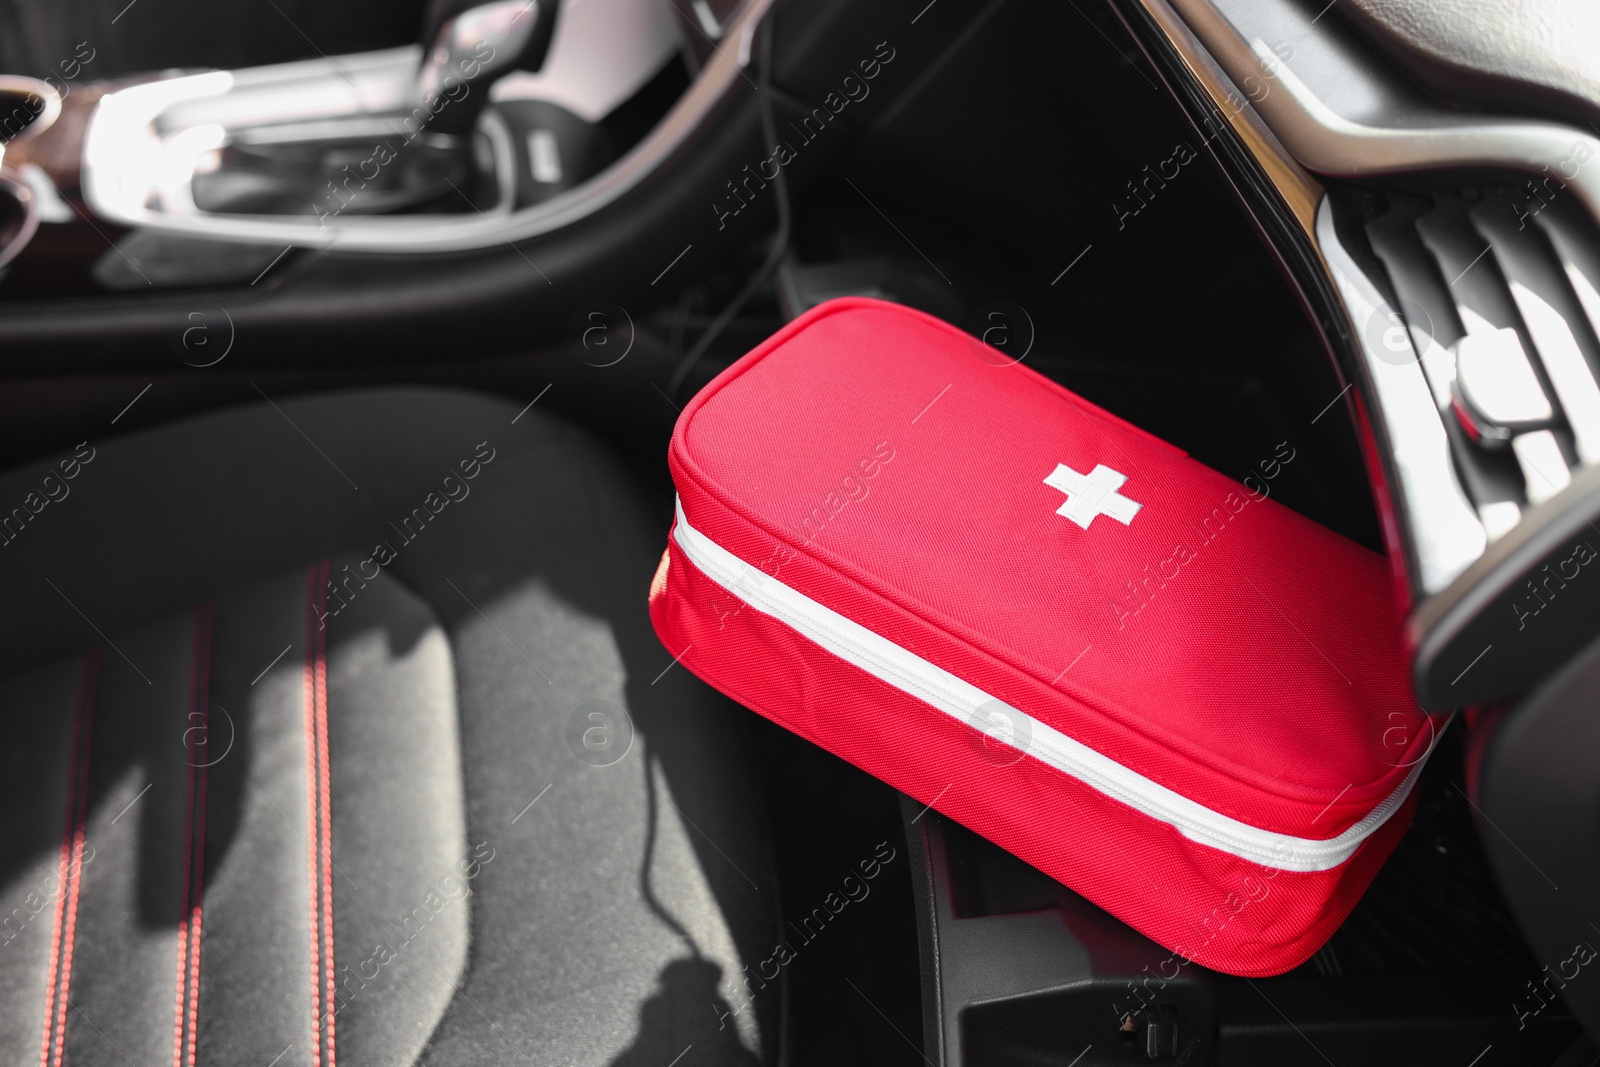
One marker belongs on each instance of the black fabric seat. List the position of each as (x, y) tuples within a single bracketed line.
[(338, 735)]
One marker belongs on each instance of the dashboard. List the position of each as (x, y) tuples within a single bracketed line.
[(1450, 256)]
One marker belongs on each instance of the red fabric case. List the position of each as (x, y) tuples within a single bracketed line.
[(1157, 685)]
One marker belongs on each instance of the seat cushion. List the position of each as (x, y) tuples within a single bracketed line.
[(340, 735)]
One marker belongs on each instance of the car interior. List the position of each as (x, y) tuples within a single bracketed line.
[(340, 351)]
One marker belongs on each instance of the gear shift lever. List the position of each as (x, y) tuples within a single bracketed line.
[(469, 46), (473, 43)]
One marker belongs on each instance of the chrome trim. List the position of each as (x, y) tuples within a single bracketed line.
[(1544, 468), (1332, 111), (505, 163), (1335, 120), (1496, 386), (321, 130), (30, 215), (1446, 532), (1299, 190), (129, 133), (52, 208), (48, 113), (1569, 371), (1337, 107)]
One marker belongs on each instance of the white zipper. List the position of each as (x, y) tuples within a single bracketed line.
[(945, 692)]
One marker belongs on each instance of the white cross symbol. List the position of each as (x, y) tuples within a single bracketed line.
[(1092, 494)]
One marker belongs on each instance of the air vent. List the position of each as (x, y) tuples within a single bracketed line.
[(1496, 289)]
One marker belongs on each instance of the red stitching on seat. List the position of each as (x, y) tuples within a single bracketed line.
[(186, 997), (309, 702), (319, 836), (69, 867), (200, 697), (181, 982), (325, 807)]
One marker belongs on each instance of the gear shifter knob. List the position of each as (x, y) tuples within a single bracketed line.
[(468, 46)]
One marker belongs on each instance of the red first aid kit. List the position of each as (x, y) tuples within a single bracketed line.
[(1157, 685)]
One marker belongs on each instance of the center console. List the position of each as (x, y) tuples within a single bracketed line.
[(491, 131)]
